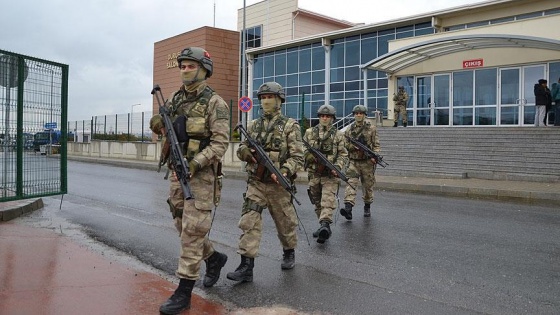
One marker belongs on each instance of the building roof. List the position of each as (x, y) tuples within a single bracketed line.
[(410, 55)]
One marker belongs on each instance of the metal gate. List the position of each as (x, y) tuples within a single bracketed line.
[(33, 127)]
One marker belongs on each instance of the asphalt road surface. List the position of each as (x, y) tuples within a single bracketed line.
[(417, 254)]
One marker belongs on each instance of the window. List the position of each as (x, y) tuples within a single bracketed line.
[(254, 35), (486, 87), (463, 88)]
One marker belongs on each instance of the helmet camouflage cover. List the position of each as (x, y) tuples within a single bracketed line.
[(359, 109), (200, 55), (272, 88), (326, 110)]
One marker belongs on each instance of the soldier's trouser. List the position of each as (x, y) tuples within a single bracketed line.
[(360, 171), (194, 223), (323, 191), (278, 201), (401, 109)]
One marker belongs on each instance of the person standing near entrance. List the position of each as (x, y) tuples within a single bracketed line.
[(361, 169), (543, 99), (207, 134), (400, 99), (555, 93)]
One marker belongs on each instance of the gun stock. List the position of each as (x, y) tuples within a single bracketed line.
[(324, 162), (177, 161), (264, 160), (367, 151)]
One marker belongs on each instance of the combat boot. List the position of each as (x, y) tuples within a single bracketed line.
[(396, 124), (180, 300), (214, 265), (367, 212), (404, 124), (289, 259), (244, 271), (324, 232), (347, 211)]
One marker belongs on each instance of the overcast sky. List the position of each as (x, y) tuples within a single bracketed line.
[(109, 44)]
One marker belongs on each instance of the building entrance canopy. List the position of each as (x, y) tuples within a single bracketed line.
[(405, 57)]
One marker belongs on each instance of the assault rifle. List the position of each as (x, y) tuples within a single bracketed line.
[(367, 151), (323, 162), (177, 162), (264, 160)]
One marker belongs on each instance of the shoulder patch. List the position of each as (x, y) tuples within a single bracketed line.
[(222, 112)]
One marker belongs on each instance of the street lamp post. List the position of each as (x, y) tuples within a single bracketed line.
[(131, 112)]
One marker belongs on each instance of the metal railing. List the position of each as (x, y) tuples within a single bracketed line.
[(120, 127)]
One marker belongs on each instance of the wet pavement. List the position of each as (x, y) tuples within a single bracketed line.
[(43, 271)]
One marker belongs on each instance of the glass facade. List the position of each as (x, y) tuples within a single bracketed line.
[(310, 80), (477, 97)]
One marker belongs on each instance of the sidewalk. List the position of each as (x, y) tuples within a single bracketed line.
[(42, 272)]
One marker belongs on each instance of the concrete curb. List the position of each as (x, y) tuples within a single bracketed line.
[(10, 210)]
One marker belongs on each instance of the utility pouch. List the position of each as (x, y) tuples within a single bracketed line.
[(196, 127), (175, 213), (192, 148), (179, 125)]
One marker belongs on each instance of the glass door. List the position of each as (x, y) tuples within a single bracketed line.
[(531, 76), (510, 96), (441, 100), (423, 109)]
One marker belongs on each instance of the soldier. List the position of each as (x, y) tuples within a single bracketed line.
[(400, 99), (324, 184), (360, 169), (280, 137), (208, 137)]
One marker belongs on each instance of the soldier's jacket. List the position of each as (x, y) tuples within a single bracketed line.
[(366, 133), (330, 142), (280, 137), (401, 98), (207, 124)]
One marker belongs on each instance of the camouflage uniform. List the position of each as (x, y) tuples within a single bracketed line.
[(361, 169), (280, 137), (208, 138), (401, 99), (323, 185)]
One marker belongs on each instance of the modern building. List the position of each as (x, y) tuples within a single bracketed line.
[(472, 65)]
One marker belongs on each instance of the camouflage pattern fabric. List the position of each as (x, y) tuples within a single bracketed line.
[(323, 187), (281, 138), (360, 168), (400, 99), (193, 217), (260, 196)]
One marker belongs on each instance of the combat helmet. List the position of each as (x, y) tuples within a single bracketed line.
[(326, 110), (200, 55), (272, 88), (359, 109)]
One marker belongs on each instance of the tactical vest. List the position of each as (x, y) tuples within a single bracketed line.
[(273, 138), (195, 128), (362, 134), (326, 144)]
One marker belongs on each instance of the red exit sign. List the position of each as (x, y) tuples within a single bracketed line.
[(474, 63)]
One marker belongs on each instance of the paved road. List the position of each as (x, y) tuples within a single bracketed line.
[(418, 254)]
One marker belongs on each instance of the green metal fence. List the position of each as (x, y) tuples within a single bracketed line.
[(33, 127)]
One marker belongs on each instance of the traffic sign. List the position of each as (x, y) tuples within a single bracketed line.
[(245, 104), (51, 125)]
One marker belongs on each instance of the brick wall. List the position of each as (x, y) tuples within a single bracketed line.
[(223, 46)]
